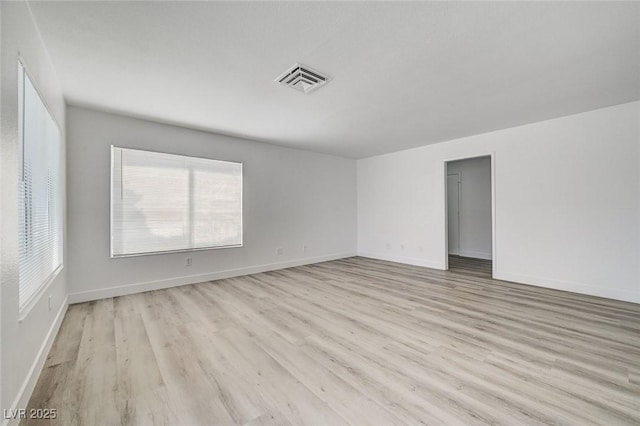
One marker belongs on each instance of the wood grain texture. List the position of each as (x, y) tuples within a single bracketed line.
[(354, 341)]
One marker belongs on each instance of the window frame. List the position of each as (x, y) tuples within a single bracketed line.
[(185, 250), (25, 307)]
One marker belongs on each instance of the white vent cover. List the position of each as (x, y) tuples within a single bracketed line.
[(302, 78)]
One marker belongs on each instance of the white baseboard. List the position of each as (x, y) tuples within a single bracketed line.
[(30, 381), (475, 254), (608, 293), (86, 296), (416, 261)]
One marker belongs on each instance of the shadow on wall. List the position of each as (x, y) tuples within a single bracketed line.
[(155, 222)]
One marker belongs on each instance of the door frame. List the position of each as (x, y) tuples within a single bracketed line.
[(459, 174), (445, 234)]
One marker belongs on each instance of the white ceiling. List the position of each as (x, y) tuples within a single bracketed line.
[(403, 74)]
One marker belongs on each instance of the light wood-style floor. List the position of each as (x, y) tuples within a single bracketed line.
[(353, 341)]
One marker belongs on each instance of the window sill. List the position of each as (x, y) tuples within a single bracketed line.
[(150, 253), (35, 298)]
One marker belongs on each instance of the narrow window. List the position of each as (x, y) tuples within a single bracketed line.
[(40, 194)]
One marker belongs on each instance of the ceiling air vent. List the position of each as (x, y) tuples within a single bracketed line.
[(302, 78)]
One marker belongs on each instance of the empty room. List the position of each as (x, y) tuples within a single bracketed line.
[(319, 213)]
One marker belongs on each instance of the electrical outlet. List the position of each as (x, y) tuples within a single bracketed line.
[(188, 261), (279, 251)]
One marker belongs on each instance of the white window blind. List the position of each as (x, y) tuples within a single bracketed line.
[(164, 202), (40, 194)]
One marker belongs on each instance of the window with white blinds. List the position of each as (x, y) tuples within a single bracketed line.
[(164, 202), (40, 194)]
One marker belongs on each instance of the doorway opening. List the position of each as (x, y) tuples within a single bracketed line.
[(469, 205)]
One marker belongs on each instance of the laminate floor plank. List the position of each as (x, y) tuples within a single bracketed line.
[(65, 347), (353, 341), (190, 394), (94, 398)]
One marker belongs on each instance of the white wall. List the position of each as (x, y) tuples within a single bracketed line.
[(25, 342), (475, 205), (292, 198), (567, 196)]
